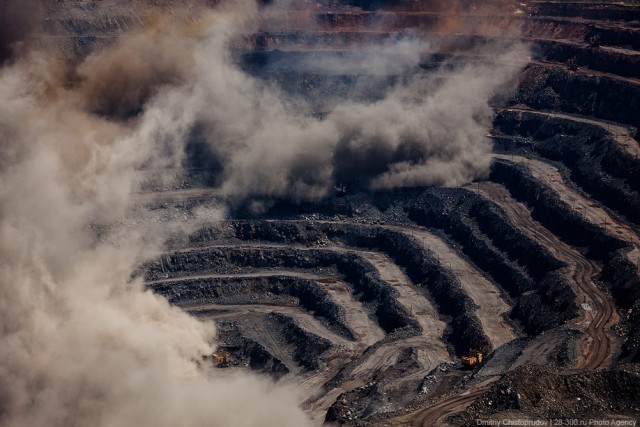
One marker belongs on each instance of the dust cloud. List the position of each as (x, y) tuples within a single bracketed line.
[(18, 20), (81, 343), (424, 130), (149, 63), (84, 344)]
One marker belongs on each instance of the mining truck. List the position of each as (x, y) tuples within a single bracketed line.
[(572, 64), (221, 359), (473, 359)]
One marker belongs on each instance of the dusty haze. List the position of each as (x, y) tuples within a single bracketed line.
[(18, 20), (83, 344)]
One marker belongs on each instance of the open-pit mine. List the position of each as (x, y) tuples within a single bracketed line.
[(399, 212)]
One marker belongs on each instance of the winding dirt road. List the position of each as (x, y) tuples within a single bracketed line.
[(621, 134), (431, 416), (598, 312), (491, 307), (586, 208)]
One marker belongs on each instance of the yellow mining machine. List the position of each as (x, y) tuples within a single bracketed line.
[(473, 359), (221, 359)]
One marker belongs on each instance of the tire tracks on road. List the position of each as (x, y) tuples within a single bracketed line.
[(598, 311)]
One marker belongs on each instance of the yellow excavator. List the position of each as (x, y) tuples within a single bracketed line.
[(473, 359)]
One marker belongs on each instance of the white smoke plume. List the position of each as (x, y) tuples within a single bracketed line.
[(81, 343)]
